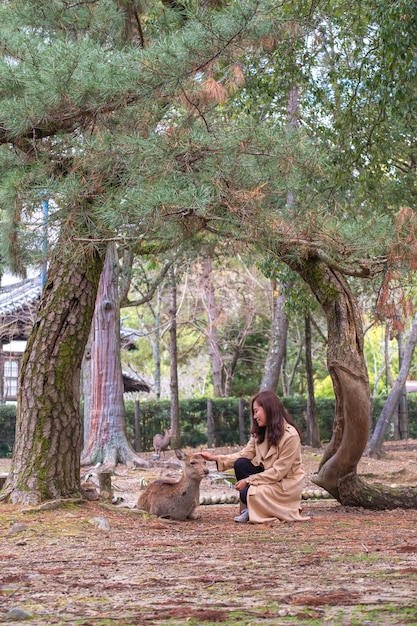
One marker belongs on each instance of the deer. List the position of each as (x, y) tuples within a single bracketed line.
[(176, 500), (161, 442)]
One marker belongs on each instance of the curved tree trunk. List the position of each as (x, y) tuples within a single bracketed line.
[(107, 443), (347, 368), (46, 455)]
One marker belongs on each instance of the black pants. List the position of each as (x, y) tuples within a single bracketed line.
[(244, 468)]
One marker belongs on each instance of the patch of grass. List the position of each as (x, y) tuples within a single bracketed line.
[(368, 558), (387, 614)]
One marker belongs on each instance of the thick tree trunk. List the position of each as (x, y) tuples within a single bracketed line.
[(46, 456), (86, 388), (107, 442), (347, 368), (277, 345)]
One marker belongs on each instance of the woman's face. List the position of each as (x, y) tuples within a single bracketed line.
[(259, 415)]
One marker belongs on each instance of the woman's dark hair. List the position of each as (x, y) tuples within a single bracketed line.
[(276, 415)]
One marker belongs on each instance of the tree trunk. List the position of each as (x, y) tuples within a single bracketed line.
[(277, 345), (125, 277), (213, 319), (236, 350), (156, 345), (107, 441), (46, 456), (173, 353), (378, 436), (347, 368), (313, 435), (86, 388), (402, 422)]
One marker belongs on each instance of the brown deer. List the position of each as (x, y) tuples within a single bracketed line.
[(176, 500), (161, 442)]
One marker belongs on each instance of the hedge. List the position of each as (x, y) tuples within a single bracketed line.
[(155, 417), (7, 429)]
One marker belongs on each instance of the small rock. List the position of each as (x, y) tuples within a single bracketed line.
[(21, 542), (18, 528), (16, 615), (100, 522)]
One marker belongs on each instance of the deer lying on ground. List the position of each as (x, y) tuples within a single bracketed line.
[(176, 500), (161, 442)]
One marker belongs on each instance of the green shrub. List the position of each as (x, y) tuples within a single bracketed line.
[(7, 429), (155, 417)]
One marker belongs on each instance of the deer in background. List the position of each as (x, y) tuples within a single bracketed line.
[(176, 500), (161, 442)]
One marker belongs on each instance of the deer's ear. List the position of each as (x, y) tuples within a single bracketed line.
[(180, 454)]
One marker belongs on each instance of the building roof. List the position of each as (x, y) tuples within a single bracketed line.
[(18, 303), (133, 382), (18, 296), (17, 308)]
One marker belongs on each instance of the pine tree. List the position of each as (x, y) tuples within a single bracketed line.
[(77, 99)]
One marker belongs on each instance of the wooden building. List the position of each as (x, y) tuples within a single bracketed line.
[(18, 306)]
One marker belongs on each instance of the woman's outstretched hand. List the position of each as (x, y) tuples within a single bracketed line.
[(208, 456)]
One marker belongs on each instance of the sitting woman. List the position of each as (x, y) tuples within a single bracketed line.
[(268, 470)]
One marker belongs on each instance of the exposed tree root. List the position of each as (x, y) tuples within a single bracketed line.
[(108, 457), (353, 491), (11, 494)]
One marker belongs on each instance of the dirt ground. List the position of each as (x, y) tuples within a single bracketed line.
[(96, 563)]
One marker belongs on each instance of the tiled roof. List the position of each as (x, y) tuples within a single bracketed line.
[(15, 298), (15, 302), (133, 382)]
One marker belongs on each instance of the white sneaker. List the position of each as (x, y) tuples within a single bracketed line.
[(243, 518)]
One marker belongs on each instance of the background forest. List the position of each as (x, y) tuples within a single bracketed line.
[(245, 301)]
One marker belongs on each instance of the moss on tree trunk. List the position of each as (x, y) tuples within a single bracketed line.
[(353, 491), (46, 456)]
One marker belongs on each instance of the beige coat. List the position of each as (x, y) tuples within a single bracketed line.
[(274, 493)]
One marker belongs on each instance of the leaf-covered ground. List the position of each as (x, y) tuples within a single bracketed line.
[(345, 566)]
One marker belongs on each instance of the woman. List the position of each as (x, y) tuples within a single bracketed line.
[(268, 470)]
